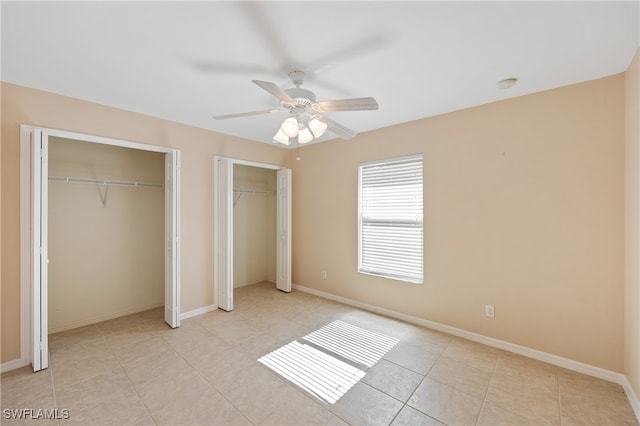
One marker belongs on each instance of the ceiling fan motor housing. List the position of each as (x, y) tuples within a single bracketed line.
[(301, 97)]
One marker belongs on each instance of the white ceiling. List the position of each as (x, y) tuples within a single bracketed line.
[(189, 61)]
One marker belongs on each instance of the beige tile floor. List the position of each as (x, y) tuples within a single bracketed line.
[(136, 370)]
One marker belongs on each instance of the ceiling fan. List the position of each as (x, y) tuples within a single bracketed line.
[(306, 119)]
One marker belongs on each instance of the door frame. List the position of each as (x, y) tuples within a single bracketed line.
[(223, 227), (33, 323)]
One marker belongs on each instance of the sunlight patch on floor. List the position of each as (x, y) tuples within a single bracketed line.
[(354, 343), (331, 360)]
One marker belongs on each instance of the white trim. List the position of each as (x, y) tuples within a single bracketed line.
[(569, 364), (251, 163), (13, 365), (632, 397), (101, 139), (198, 311), (392, 159)]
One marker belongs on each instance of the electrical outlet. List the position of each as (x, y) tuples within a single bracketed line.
[(489, 311), (324, 275)]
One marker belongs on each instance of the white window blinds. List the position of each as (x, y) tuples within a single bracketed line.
[(390, 222)]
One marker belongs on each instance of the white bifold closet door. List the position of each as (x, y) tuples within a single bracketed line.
[(223, 222), (172, 238), (283, 231), (223, 226), (39, 258), (39, 249)]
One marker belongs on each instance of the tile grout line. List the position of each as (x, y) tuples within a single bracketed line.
[(146, 409), (86, 379), (486, 392), (559, 399), (52, 368), (53, 388), (203, 378), (424, 377)]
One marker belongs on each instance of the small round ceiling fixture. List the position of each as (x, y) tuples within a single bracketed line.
[(507, 83)]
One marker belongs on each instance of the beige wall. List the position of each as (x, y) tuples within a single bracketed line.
[(254, 226), (524, 210), (632, 231), (22, 105), (105, 260)]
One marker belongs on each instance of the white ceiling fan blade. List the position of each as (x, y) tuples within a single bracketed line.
[(229, 68), (274, 90), (347, 53), (355, 104), (246, 114), (338, 129)]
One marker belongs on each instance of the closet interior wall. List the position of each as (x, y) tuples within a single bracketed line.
[(106, 242), (254, 225)]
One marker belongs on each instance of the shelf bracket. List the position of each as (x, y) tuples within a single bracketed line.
[(106, 193)]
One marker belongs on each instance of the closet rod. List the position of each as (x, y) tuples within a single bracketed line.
[(105, 182), (251, 191)]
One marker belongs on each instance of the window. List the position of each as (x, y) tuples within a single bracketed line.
[(390, 218)]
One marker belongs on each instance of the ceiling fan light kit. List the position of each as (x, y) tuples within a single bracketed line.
[(295, 126), (317, 127), (290, 127), (306, 120), (305, 136), (282, 138)]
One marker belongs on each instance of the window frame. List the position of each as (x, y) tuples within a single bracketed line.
[(389, 160)]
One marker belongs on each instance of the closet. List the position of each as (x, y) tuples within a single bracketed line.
[(225, 195), (106, 230), (254, 225)]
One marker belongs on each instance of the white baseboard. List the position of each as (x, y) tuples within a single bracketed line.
[(559, 361), (199, 311), (633, 398), (12, 365)]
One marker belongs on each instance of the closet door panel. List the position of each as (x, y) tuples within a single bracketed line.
[(224, 233), (40, 249), (283, 268), (172, 239)]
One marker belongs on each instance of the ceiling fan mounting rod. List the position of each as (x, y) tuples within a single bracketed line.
[(296, 111), (297, 77)]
